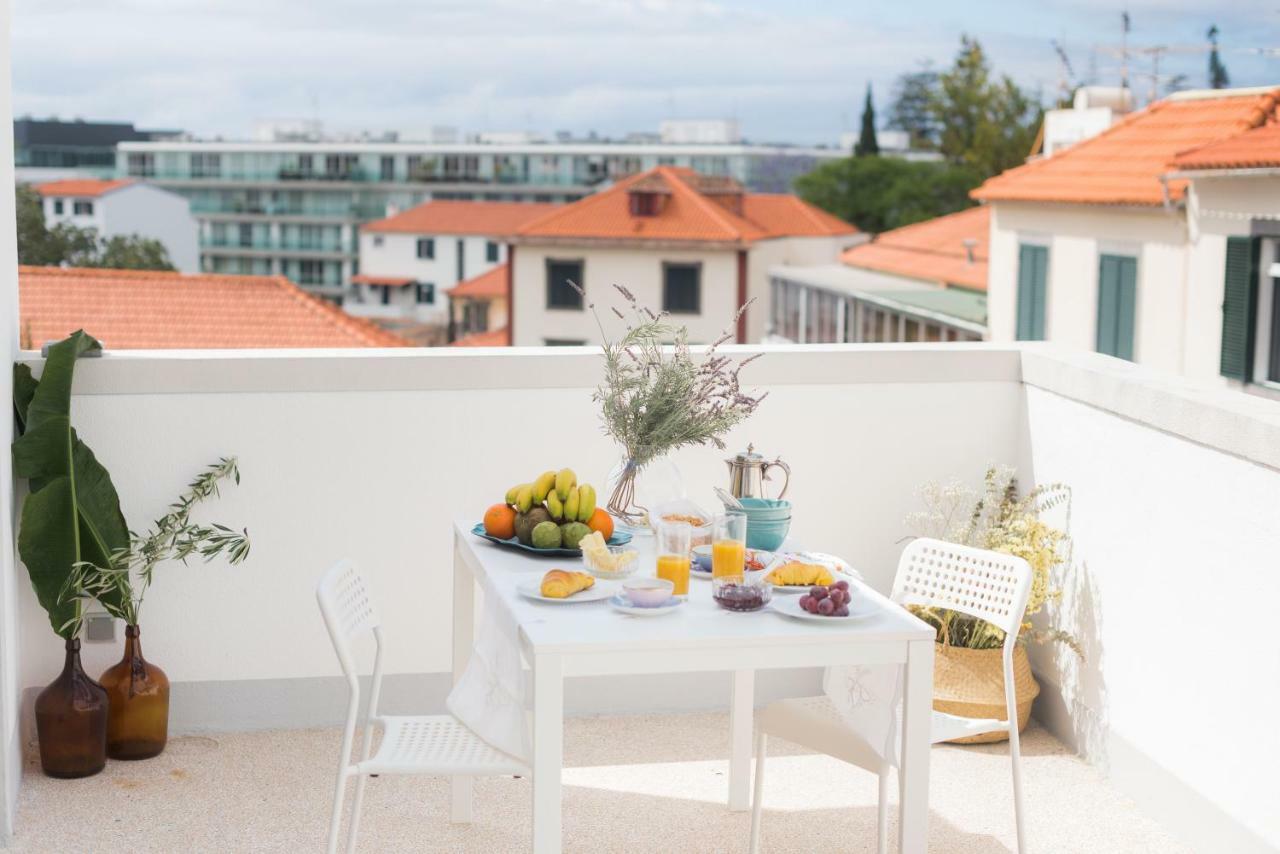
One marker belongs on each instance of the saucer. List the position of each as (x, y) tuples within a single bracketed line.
[(621, 603)]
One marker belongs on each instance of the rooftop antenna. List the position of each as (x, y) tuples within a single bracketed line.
[(1124, 49), (1066, 75)]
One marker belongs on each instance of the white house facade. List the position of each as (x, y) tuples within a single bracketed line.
[(679, 242), (126, 208), (1114, 245)]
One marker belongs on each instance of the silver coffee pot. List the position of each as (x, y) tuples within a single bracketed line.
[(748, 471)]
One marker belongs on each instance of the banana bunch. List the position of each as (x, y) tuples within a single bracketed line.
[(559, 492)]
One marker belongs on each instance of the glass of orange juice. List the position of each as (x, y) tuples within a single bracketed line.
[(674, 546), (729, 545)]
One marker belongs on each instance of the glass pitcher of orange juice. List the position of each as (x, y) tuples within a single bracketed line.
[(674, 546), (729, 545)]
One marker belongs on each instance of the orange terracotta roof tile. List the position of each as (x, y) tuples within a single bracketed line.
[(783, 215), (458, 217), (933, 250), (1123, 164), (1257, 149), (81, 187), (388, 281), (689, 208), (492, 338), (484, 286), (138, 309)]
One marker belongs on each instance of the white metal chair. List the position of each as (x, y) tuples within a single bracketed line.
[(989, 585), (432, 744)]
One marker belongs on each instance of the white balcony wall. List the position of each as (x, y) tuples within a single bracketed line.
[(372, 455)]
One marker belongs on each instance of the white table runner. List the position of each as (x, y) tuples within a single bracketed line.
[(492, 697)]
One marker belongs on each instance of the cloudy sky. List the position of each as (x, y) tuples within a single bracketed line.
[(788, 70)]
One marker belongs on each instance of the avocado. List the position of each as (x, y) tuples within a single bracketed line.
[(546, 535), (526, 522), (571, 534)]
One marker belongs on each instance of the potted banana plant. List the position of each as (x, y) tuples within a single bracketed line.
[(70, 516)]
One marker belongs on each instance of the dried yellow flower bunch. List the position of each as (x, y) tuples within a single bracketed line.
[(997, 518)]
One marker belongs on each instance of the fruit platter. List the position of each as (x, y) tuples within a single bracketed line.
[(832, 603), (550, 516)]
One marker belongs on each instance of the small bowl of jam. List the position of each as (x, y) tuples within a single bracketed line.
[(735, 593)]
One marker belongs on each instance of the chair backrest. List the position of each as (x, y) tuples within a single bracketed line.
[(992, 586), (347, 610)]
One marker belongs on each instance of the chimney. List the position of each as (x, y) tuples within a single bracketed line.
[(969, 246)]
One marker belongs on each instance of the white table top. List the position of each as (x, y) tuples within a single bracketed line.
[(699, 623)]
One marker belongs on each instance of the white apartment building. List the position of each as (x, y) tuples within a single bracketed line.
[(681, 242), (409, 262), (124, 208), (1100, 246)]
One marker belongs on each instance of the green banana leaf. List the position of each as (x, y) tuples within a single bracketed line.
[(73, 511)]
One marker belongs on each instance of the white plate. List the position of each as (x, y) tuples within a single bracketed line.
[(621, 603), (859, 609), (533, 590)]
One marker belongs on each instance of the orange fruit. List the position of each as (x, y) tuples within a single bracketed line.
[(601, 521), (500, 521)]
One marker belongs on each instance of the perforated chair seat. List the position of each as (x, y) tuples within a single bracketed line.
[(435, 744)]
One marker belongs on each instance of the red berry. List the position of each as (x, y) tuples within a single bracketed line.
[(818, 592), (843, 585), (843, 612), (826, 607)]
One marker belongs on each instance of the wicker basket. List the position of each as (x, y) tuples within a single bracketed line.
[(970, 683)]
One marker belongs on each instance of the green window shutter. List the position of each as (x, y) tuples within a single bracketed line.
[(1117, 305), (1239, 304), (1033, 270)]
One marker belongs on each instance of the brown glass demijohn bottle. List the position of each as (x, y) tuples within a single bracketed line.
[(71, 721), (138, 725)]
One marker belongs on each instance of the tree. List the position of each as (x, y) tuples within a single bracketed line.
[(911, 110), (867, 145), (42, 246), (1218, 77), (881, 193), (987, 124)]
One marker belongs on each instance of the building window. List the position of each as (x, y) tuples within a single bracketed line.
[(475, 316), (141, 165), (426, 247), (491, 252), (822, 317), (306, 165), (388, 168), (681, 288), (57, 206), (426, 293), (386, 293), (82, 208), (561, 278), (377, 241), (246, 234), (205, 165), (1033, 272), (1117, 300)]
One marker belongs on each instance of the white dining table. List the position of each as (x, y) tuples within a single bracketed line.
[(564, 641)]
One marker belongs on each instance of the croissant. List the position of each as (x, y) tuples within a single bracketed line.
[(795, 573), (561, 584)]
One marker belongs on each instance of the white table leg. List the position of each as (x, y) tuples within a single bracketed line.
[(548, 752), (464, 613), (917, 720), (741, 710)]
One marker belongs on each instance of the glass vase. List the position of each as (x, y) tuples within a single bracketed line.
[(138, 726), (635, 490), (71, 721)]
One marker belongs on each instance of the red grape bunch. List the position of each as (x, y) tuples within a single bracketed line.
[(830, 601)]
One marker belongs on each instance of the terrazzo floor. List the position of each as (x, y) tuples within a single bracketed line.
[(631, 784)]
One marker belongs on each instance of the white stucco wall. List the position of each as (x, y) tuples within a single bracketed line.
[(639, 270), (1174, 543), (397, 256), (1076, 236)]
